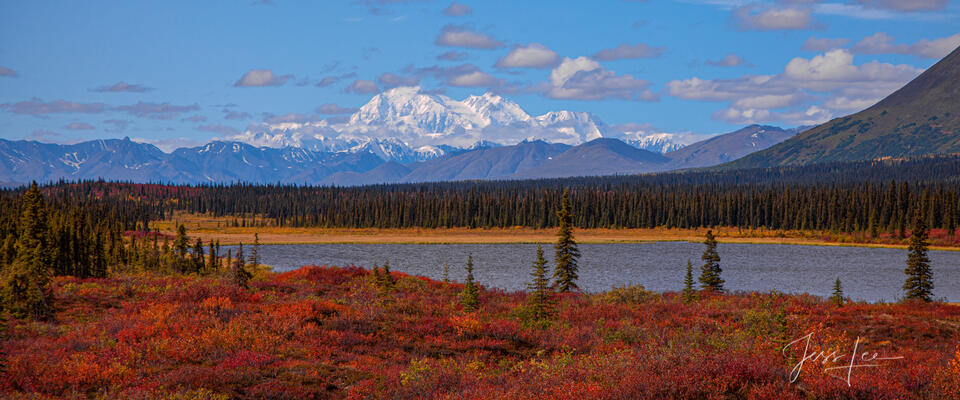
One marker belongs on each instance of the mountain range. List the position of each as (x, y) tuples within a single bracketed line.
[(230, 161)]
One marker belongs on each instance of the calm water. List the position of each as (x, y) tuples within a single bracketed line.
[(871, 274)]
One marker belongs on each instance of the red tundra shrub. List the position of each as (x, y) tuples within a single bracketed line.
[(327, 332)]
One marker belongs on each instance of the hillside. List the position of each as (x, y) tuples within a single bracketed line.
[(727, 147), (921, 118)]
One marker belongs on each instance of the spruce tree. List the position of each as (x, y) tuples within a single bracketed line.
[(255, 252), (99, 257), (919, 283), (198, 256), (837, 296), (565, 272), (180, 244), (26, 281), (446, 273), (689, 293), (710, 271), (470, 296), (388, 281), (241, 277), (540, 298), (212, 260)]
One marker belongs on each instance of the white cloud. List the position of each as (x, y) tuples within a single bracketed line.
[(459, 36), (835, 69), (361, 86), (585, 79), (534, 55), (261, 77), (729, 60), (807, 91), (474, 79), (881, 43), (457, 10), (389, 80), (4, 71), (569, 66), (754, 17)]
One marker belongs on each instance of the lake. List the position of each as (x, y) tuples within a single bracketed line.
[(869, 274)]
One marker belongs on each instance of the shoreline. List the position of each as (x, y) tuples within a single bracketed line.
[(291, 236)]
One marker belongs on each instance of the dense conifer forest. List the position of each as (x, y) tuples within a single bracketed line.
[(869, 197)]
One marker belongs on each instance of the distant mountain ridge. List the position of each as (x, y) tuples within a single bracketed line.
[(223, 162), (921, 118)]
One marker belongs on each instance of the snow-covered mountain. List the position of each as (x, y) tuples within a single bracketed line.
[(405, 124)]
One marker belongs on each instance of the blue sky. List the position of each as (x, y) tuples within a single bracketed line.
[(184, 72)]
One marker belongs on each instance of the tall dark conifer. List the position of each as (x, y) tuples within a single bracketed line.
[(689, 293), (470, 296), (25, 285), (919, 283), (540, 297), (565, 272), (710, 271)]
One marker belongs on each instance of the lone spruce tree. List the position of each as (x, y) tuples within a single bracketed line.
[(565, 273), (837, 296), (710, 271), (541, 301), (470, 296), (919, 284), (255, 252), (689, 293), (25, 288), (241, 277)]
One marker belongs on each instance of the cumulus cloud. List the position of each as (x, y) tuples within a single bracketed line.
[(474, 79), (803, 82), (627, 51), (222, 130), (389, 80), (79, 126), (156, 111), (821, 45), (729, 60), (38, 107), (457, 10), (463, 75), (769, 18), (907, 5), (461, 36), (453, 55), (122, 87), (261, 77), (4, 71), (333, 108), (585, 79), (534, 55), (812, 115), (361, 86), (881, 43)]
